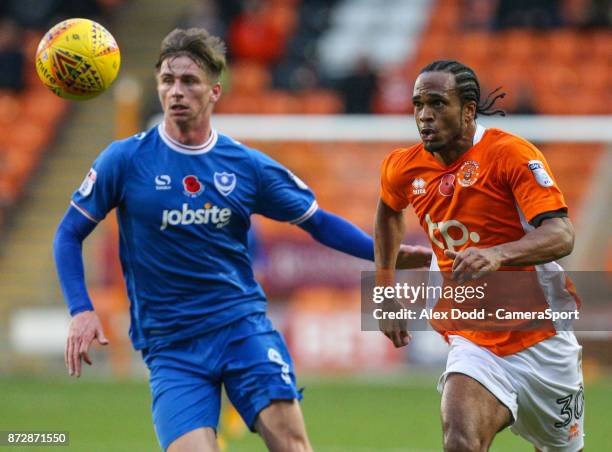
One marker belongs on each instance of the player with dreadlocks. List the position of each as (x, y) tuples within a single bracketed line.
[(488, 202)]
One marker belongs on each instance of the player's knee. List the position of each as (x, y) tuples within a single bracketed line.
[(459, 440)]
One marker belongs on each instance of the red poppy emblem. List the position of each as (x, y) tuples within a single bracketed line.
[(193, 187), (447, 185)]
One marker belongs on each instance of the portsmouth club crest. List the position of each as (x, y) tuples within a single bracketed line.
[(225, 182), (468, 173), (192, 186)]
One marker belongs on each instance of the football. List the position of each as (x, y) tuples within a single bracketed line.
[(78, 59)]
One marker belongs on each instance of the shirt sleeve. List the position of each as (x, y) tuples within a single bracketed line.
[(282, 195), (531, 180), (392, 190), (102, 188)]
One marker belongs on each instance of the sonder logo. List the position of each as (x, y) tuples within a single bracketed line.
[(445, 227), (163, 182), (186, 216)]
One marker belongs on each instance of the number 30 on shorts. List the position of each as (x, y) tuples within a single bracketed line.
[(572, 407)]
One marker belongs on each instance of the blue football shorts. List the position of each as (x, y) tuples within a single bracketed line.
[(248, 357)]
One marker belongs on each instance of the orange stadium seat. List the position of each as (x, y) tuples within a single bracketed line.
[(475, 49), (248, 78), (241, 103), (446, 15), (601, 46), (280, 102), (563, 46), (42, 107), (518, 46), (10, 107), (321, 102)]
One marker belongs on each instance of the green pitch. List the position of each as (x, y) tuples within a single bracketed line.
[(401, 415)]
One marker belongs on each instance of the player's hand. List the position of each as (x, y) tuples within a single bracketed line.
[(396, 330), (413, 257), (473, 263), (84, 328)]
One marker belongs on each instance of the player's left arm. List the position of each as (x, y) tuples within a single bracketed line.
[(550, 234), (342, 235), (552, 240)]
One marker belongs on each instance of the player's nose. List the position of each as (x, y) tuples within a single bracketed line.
[(425, 115), (177, 89)]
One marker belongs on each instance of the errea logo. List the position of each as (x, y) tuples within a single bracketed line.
[(418, 186), (186, 216)]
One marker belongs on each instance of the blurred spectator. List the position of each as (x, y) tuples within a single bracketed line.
[(229, 10), (359, 88), (477, 14), (599, 14), (538, 14), (11, 56), (253, 36), (296, 75), (394, 91)]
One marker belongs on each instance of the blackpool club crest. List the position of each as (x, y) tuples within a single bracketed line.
[(468, 173), (225, 182)]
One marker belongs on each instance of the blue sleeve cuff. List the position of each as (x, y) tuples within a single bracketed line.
[(337, 233)]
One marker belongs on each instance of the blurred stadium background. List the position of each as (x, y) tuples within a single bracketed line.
[(323, 86)]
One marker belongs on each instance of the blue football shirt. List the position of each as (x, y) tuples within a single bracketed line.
[(184, 215)]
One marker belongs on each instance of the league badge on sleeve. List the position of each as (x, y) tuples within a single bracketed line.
[(540, 174), (225, 182), (88, 183)]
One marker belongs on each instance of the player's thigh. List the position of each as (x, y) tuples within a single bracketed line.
[(185, 395), (258, 371), (202, 439), (281, 425), (471, 414), (550, 394)]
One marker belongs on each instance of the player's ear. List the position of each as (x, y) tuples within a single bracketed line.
[(215, 94), (469, 111)]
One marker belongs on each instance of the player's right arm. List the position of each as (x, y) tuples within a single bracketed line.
[(85, 325), (389, 229), (98, 194)]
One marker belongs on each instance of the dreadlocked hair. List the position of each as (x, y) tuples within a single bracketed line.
[(468, 86)]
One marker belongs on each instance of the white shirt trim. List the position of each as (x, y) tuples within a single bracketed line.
[(185, 149), (309, 213), (480, 130), (84, 212)]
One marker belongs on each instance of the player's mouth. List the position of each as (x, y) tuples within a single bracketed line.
[(428, 134), (179, 108)]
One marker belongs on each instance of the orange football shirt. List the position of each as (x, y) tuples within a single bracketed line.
[(485, 198)]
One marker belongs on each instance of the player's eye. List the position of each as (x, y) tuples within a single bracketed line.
[(417, 104), (438, 103)]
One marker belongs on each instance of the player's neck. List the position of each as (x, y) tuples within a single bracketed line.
[(187, 133), (459, 147)]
